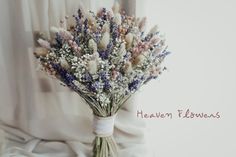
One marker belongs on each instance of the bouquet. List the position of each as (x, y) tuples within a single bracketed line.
[(105, 58)]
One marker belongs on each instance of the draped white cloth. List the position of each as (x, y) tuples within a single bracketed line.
[(40, 118)]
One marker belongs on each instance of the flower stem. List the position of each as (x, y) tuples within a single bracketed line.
[(104, 147)]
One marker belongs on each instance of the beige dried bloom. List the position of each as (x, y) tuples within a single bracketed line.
[(104, 41)]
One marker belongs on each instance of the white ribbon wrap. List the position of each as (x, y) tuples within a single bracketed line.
[(103, 126)]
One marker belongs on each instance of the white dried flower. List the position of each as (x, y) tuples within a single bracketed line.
[(128, 67), (155, 39), (122, 50), (154, 71), (139, 59), (110, 13), (104, 41), (44, 43), (106, 27), (54, 29), (137, 21), (157, 50), (117, 18), (142, 24), (40, 51), (153, 30), (91, 18), (65, 34), (116, 7), (96, 56), (92, 67), (64, 63), (129, 39), (93, 45), (146, 53), (103, 99), (107, 101), (75, 59)]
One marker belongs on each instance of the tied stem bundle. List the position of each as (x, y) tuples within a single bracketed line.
[(105, 58), (105, 147), (104, 143)]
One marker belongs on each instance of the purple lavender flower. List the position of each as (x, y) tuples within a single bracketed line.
[(148, 79), (104, 10), (93, 86), (107, 85), (87, 77), (115, 34), (104, 54), (58, 41), (78, 26), (110, 46), (104, 16), (97, 37), (77, 40), (163, 54), (114, 30), (78, 22), (66, 77), (85, 26), (103, 75), (133, 86), (80, 13)]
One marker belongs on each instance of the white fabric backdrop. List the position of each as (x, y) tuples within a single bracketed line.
[(36, 113)]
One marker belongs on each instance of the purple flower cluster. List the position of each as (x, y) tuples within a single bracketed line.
[(65, 76), (133, 86)]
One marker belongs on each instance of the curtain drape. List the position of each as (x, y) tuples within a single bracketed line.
[(40, 117)]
